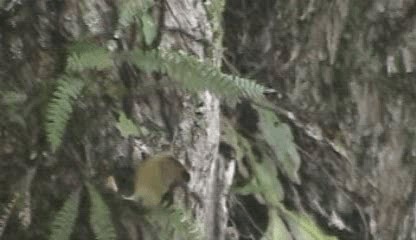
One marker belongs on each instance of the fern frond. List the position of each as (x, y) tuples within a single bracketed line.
[(184, 223), (176, 221), (195, 75), (85, 55), (60, 108), (100, 217), (65, 219)]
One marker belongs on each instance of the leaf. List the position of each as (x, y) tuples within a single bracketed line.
[(250, 188), (100, 217), (303, 227), (85, 55), (126, 126), (195, 75), (65, 219), (276, 230), (129, 10), (279, 137), (60, 108), (176, 223), (266, 175), (264, 178), (149, 28)]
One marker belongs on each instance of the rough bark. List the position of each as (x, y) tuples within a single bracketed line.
[(345, 70), (33, 36)]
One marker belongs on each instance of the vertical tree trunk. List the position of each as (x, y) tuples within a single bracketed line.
[(345, 70), (33, 40)]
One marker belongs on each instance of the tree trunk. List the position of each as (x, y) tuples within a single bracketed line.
[(345, 71), (33, 53)]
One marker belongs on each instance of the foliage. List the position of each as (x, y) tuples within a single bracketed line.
[(149, 28), (277, 228), (100, 217), (195, 75), (302, 226), (176, 221), (132, 10), (65, 219), (126, 126), (138, 11), (60, 108), (189, 72), (283, 223), (85, 55), (279, 137), (286, 225), (264, 179)]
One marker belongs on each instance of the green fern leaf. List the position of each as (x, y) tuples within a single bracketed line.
[(60, 108), (85, 55), (100, 217), (176, 222), (148, 61), (65, 219), (195, 75)]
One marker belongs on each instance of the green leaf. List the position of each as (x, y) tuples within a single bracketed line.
[(196, 75), (86, 55), (251, 187), (279, 137), (126, 126), (60, 108), (266, 175), (264, 178), (130, 10), (276, 230), (65, 219), (176, 223), (148, 61), (149, 28), (303, 227), (100, 217)]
